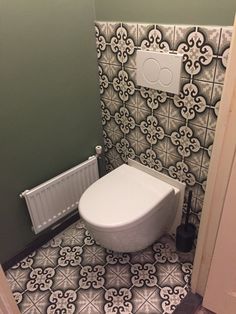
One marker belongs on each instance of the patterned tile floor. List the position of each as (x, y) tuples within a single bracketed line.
[(73, 274)]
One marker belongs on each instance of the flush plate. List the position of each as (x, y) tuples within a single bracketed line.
[(159, 70)]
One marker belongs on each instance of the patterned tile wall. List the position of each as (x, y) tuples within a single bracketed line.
[(171, 133)]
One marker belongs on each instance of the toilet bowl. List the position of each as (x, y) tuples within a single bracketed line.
[(128, 209)]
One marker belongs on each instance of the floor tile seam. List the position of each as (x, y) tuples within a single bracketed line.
[(93, 305), (66, 278), (176, 280), (83, 308), (122, 271), (75, 270), (131, 287), (117, 275), (186, 273), (22, 272), (40, 309), (139, 307), (102, 287), (18, 283), (24, 292), (99, 293), (162, 264), (160, 281), (80, 303), (50, 259), (94, 255), (150, 294), (153, 304), (123, 282), (32, 305), (187, 286), (181, 264), (159, 287), (11, 278), (177, 268), (31, 299), (93, 265), (77, 243), (24, 288), (90, 249)]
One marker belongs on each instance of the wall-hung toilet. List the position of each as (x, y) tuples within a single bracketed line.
[(129, 209)]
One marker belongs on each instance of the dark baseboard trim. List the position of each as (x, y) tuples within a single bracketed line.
[(189, 304), (40, 240)]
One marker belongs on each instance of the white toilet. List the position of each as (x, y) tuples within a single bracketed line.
[(129, 209)]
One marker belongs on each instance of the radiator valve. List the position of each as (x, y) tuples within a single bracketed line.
[(98, 150)]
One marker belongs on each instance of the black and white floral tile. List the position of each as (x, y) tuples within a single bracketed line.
[(72, 274), (171, 133)]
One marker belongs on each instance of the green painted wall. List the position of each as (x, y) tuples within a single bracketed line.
[(49, 102), (208, 12)]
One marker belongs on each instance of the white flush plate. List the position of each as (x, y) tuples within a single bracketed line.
[(159, 70)]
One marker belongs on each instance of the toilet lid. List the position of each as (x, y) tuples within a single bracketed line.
[(121, 197)]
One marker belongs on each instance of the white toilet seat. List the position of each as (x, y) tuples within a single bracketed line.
[(122, 198)]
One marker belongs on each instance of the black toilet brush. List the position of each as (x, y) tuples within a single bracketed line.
[(185, 233)]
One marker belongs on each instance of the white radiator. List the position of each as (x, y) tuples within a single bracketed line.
[(52, 200)]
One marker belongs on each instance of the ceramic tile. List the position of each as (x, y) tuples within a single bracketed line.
[(107, 56), (106, 114), (171, 133), (212, 119), (152, 129), (185, 141), (125, 150), (122, 42), (112, 105), (216, 98), (226, 35), (137, 107), (170, 275), (171, 297), (154, 98), (91, 279), (114, 159), (118, 276), (199, 46), (100, 34), (174, 165), (110, 94), (137, 140), (193, 100), (151, 159), (155, 37), (110, 70), (124, 119), (90, 301), (123, 85), (196, 157), (66, 278), (113, 131), (112, 28), (103, 79)]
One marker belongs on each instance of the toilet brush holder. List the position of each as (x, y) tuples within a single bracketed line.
[(185, 233)]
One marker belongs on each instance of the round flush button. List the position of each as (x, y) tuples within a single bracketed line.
[(166, 76), (151, 70)]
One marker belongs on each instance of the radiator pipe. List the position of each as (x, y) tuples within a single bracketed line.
[(101, 161), (22, 195)]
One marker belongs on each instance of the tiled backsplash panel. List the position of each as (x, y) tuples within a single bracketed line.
[(171, 133)]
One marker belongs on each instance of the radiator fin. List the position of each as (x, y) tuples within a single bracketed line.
[(52, 200)]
